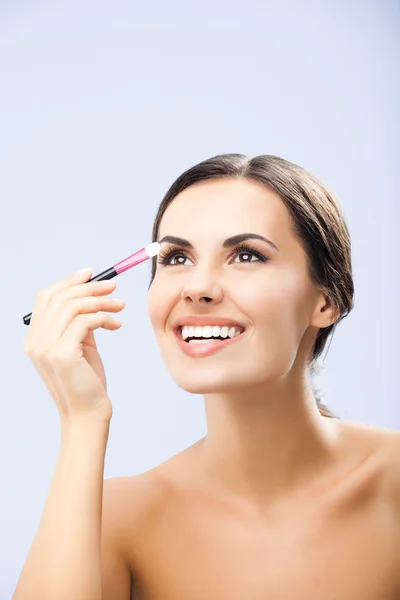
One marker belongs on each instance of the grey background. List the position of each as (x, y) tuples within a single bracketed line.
[(102, 106)]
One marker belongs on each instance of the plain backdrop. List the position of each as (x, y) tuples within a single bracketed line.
[(102, 106)]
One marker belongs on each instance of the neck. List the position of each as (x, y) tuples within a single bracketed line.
[(264, 443)]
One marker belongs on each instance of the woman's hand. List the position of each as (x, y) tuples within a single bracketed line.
[(61, 344)]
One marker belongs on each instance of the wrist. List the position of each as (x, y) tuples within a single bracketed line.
[(86, 423)]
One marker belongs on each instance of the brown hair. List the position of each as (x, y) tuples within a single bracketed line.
[(317, 218)]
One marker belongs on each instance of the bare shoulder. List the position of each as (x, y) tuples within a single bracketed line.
[(383, 447), (390, 452), (132, 505), (128, 502), (127, 509)]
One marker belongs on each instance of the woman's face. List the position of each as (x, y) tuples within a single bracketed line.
[(264, 292)]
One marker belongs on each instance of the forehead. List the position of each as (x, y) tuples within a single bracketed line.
[(226, 207)]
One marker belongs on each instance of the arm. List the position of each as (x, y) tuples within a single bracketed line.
[(65, 559)]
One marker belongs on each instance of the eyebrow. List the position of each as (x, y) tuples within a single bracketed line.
[(228, 243)]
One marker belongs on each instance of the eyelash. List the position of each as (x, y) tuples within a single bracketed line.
[(166, 255)]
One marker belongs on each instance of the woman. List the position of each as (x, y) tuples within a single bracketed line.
[(279, 499)]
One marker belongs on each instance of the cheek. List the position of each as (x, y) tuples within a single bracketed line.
[(276, 301), (156, 309), (160, 300)]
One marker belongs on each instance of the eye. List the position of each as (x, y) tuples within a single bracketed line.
[(247, 252), (172, 258)]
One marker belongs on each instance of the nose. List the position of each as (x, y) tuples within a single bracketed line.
[(202, 289)]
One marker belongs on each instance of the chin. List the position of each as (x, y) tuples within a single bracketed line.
[(204, 387), (219, 380), (207, 382)]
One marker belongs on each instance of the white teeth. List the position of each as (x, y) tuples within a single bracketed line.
[(209, 331)]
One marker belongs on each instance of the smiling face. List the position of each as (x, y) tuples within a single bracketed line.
[(265, 292)]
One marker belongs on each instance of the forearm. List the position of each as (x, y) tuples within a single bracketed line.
[(64, 561)]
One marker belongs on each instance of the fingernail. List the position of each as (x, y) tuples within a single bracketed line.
[(86, 270)]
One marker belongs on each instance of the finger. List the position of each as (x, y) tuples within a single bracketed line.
[(92, 288), (55, 302), (75, 334), (44, 296), (68, 287), (61, 313)]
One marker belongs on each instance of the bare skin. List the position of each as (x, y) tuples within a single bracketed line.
[(275, 501), (338, 538)]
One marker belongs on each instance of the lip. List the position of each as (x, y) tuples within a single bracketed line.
[(206, 348)]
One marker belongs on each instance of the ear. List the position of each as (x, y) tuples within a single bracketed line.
[(325, 313)]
